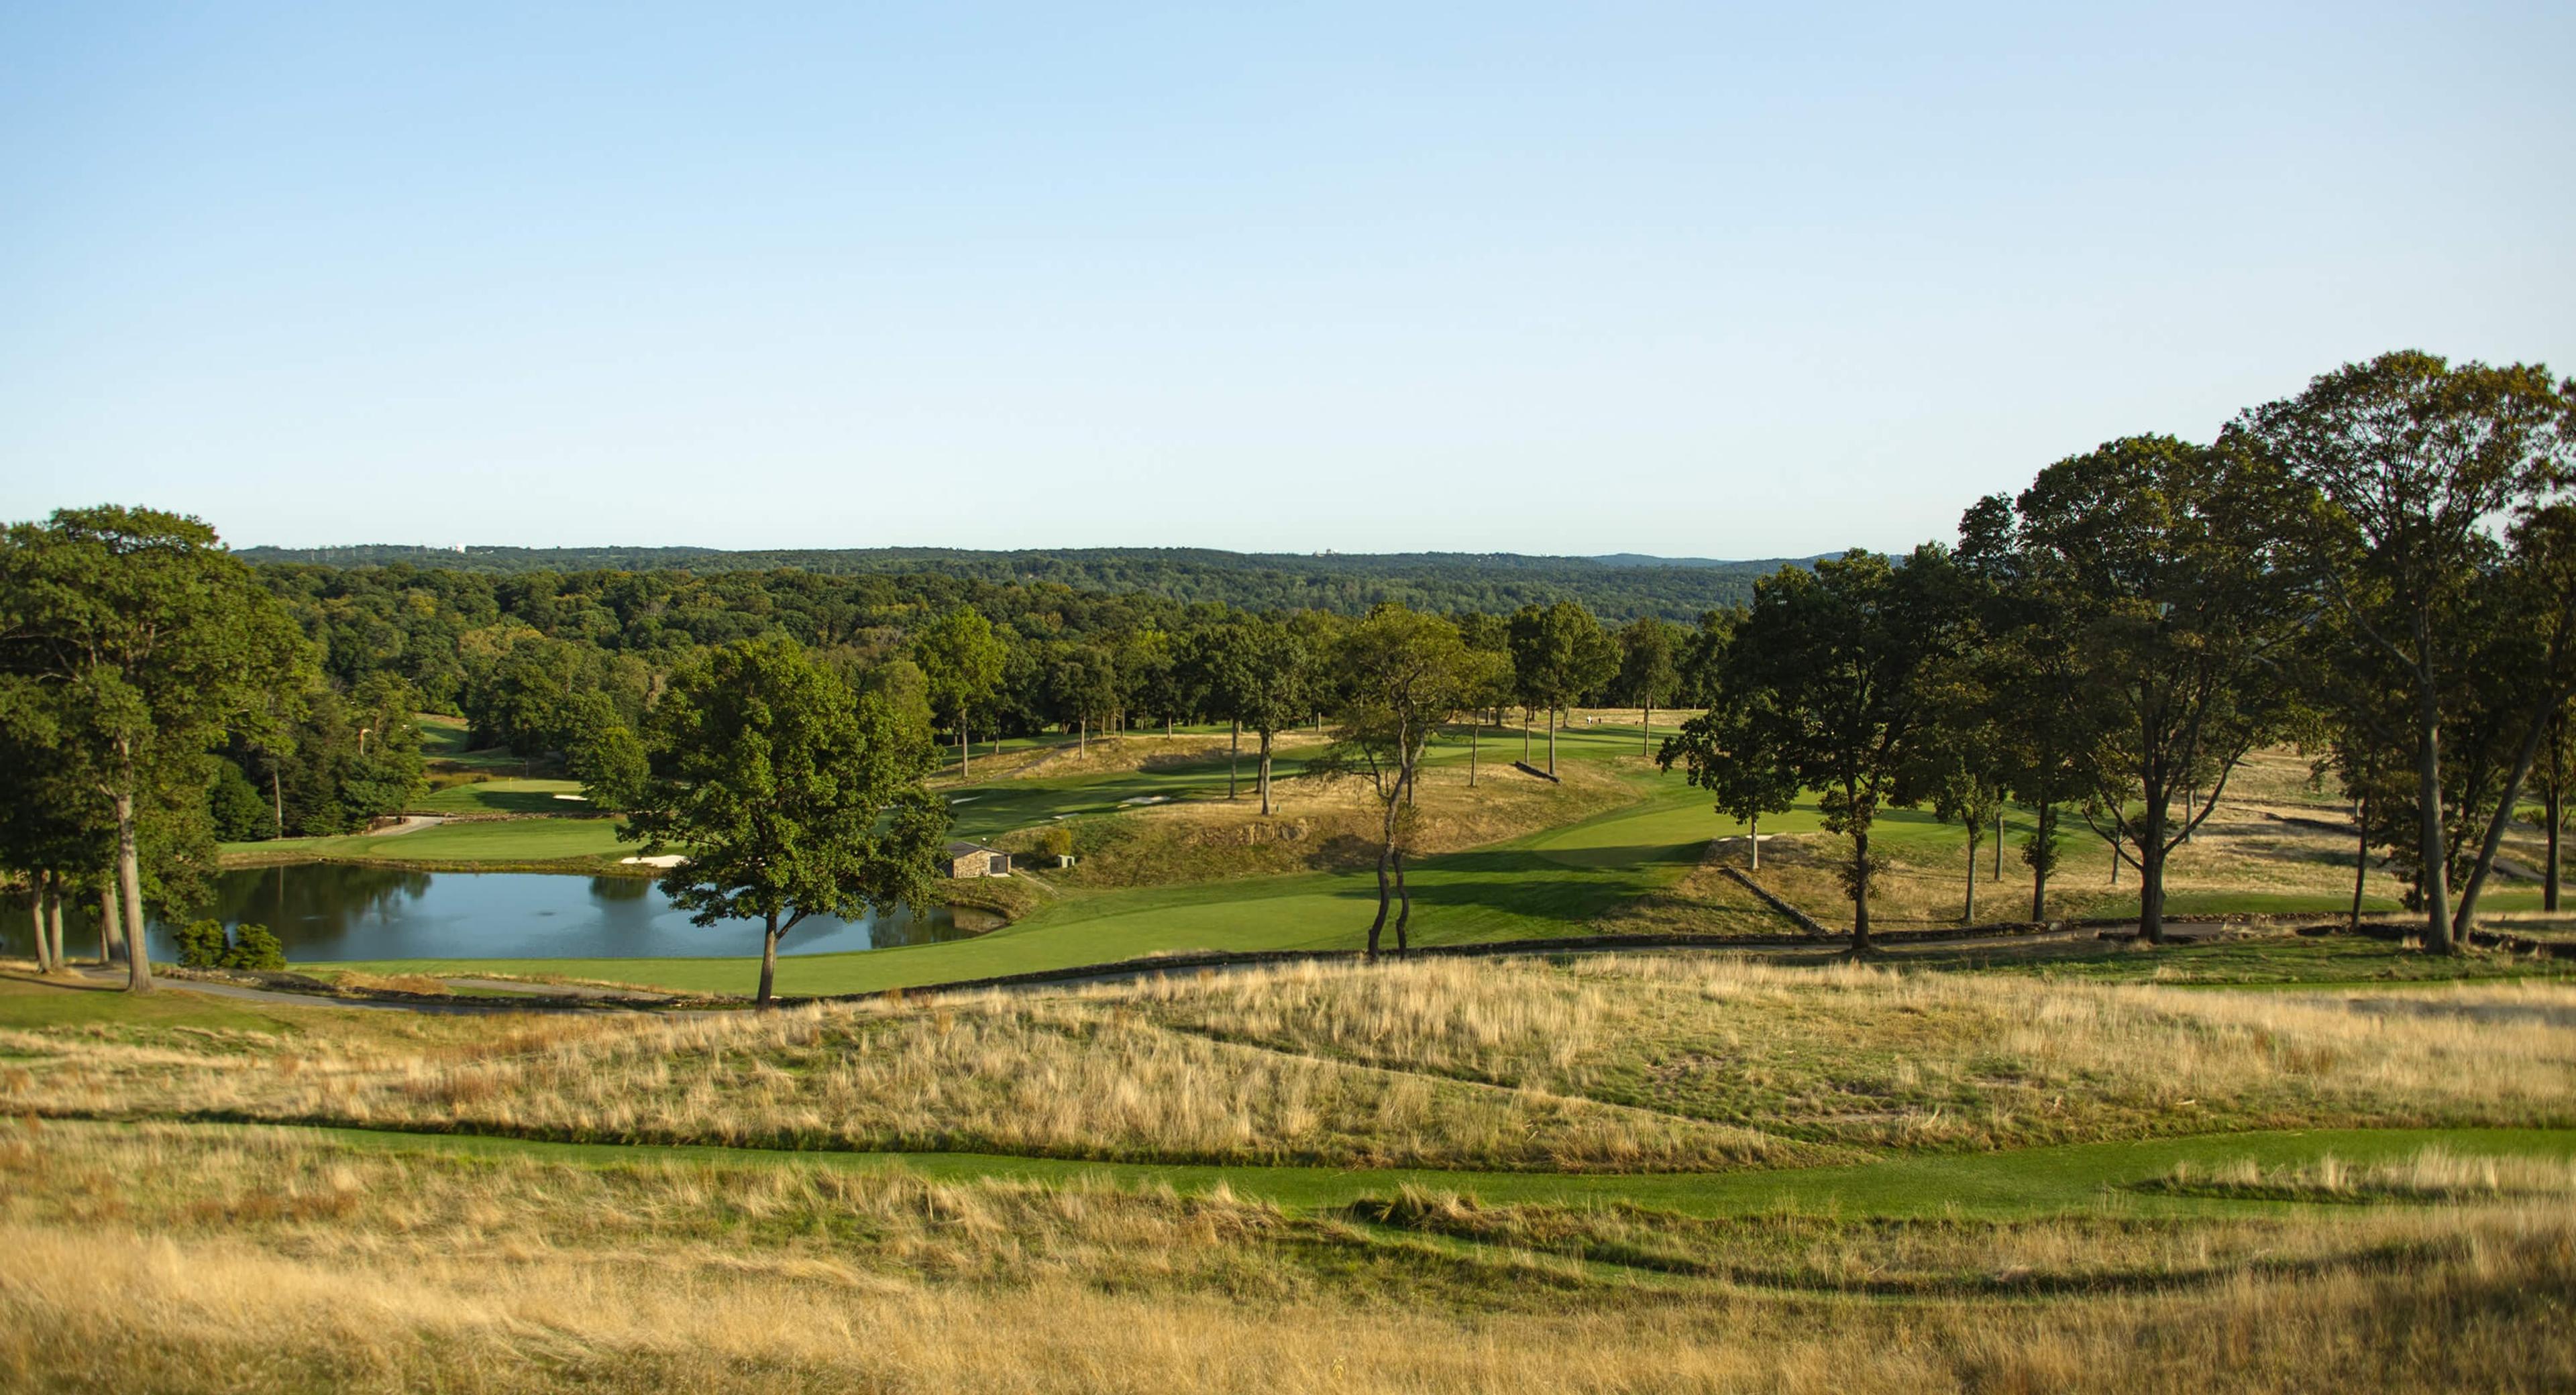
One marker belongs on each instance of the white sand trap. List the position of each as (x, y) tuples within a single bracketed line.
[(581, 797), (665, 860), (1148, 799)]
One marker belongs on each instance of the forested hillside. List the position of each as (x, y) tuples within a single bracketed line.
[(1617, 587)]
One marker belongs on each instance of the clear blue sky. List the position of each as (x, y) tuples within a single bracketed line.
[(1684, 279)]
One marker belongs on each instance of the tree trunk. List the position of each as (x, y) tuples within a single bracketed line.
[(2428, 800), (965, 747), (769, 961), (1551, 741), (1404, 906), (1999, 845), (129, 879), (2466, 918), (1646, 737), (2115, 855), (2151, 869), (1525, 733), (54, 925), (2361, 860), (1265, 774), (36, 924), (1476, 727), (1860, 891), (111, 932), (1385, 850), (2549, 881), (1969, 916), (277, 796), (1753, 840), (1234, 759), (2039, 867)]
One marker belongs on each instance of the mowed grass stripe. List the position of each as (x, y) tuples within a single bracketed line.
[(2007, 1185)]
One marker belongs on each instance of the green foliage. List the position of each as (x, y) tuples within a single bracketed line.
[(255, 949), (790, 797), (604, 754), (250, 949), (202, 944), (1346, 584), (1834, 672), (905, 690), (238, 812), (962, 660), (1648, 649), (1559, 653), (2406, 461), (138, 645)]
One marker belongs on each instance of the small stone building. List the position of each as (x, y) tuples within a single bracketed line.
[(976, 860)]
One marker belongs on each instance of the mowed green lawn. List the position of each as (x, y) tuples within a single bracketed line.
[(460, 845), (1554, 883), (505, 797), (2004, 1185)]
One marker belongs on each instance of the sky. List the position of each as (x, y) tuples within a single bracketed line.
[(1695, 280)]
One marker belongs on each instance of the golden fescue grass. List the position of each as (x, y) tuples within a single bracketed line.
[(991, 1073), (2248, 845), (2432, 1174), (171, 1263), (1320, 823), (1865, 1056), (1634, 1062)]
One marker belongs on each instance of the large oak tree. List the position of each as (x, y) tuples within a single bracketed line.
[(789, 796)]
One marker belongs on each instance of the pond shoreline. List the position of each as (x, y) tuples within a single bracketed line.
[(304, 857)]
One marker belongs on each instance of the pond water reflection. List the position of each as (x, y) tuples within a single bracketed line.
[(325, 911)]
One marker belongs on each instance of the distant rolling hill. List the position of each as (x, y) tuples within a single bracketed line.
[(1618, 586)]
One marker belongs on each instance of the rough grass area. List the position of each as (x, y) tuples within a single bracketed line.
[(2279, 958), (2433, 1174), (202, 1259), (1664, 1063)]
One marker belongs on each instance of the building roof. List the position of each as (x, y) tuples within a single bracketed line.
[(961, 849)]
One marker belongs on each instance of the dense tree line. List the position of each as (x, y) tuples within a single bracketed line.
[(1619, 588)]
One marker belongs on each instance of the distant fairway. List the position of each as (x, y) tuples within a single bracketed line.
[(494, 846), (549, 797)]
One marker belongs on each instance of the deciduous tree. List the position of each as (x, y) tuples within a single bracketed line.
[(788, 796), (2411, 460)]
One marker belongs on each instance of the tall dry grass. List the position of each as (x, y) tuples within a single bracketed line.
[(1069, 1078), (111, 1310), (193, 1259), (1658, 1062), (1874, 1057)]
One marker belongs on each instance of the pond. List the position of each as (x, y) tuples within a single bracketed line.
[(325, 911)]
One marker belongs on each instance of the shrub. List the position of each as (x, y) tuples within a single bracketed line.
[(255, 948), (201, 944), (1055, 841)]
